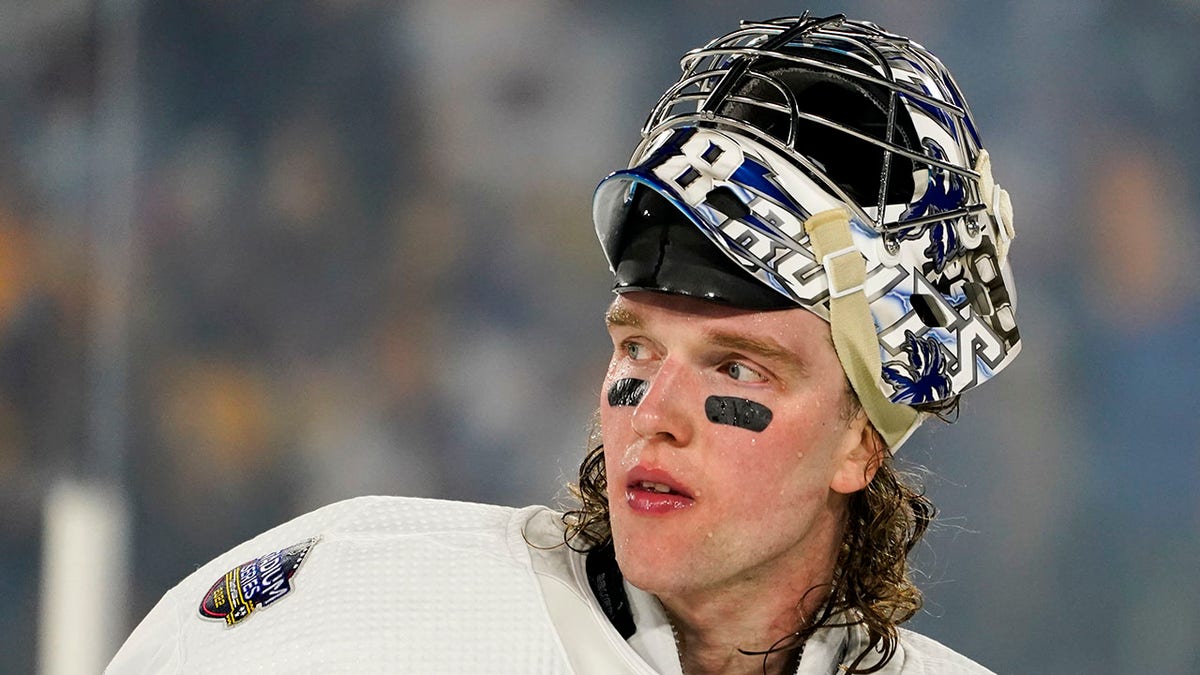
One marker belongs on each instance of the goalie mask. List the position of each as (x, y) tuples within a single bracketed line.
[(827, 164)]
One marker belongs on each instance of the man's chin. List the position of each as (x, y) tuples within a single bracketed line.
[(654, 567)]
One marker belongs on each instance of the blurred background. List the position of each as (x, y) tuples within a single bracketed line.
[(258, 256)]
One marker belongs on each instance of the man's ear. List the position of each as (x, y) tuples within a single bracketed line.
[(860, 458)]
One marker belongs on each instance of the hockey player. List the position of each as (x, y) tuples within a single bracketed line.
[(810, 257)]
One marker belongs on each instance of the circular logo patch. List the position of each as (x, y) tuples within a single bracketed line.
[(254, 584)]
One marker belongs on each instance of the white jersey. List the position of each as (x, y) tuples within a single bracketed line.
[(396, 585)]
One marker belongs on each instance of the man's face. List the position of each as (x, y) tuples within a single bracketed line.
[(731, 464)]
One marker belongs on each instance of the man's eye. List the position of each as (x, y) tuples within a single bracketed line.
[(635, 351), (743, 373)]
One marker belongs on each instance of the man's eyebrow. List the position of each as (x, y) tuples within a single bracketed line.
[(762, 347), (619, 316)]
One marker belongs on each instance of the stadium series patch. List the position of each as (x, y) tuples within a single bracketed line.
[(254, 584)]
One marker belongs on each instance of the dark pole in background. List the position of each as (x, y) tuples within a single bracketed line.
[(85, 574)]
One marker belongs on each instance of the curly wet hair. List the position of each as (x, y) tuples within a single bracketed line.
[(872, 584)]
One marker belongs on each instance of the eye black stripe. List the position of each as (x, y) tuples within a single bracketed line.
[(627, 391), (737, 412)]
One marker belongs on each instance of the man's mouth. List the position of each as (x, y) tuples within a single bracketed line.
[(655, 487), (658, 487), (655, 491)]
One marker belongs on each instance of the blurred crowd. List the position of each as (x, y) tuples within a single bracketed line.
[(361, 261)]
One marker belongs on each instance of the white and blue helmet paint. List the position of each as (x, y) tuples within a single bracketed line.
[(786, 118)]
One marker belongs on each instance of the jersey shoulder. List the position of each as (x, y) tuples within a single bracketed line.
[(380, 577), (923, 655)]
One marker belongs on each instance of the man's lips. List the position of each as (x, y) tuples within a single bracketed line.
[(656, 480), (656, 491)]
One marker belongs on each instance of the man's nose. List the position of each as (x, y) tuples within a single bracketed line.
[(662, 413)]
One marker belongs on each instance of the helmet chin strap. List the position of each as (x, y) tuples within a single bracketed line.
[(852, 327)]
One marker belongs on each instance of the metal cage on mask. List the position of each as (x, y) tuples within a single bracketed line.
[(712, 73), (783, 120)]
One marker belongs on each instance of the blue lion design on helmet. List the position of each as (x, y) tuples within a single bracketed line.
[(944, 191), (925, 377)]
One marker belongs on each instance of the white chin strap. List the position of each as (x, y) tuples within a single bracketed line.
[(853, 328)]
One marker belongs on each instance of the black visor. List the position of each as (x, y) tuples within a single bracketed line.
[(661, 250)]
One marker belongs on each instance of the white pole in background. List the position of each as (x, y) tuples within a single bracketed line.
[(84, 578), (85, 557)]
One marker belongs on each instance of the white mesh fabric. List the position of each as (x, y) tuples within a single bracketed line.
[(393, 585)]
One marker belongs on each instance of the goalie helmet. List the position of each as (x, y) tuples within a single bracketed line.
[(828, 164)]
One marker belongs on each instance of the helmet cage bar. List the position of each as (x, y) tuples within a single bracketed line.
[(710, 71), (885, 171), (703, 52)]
